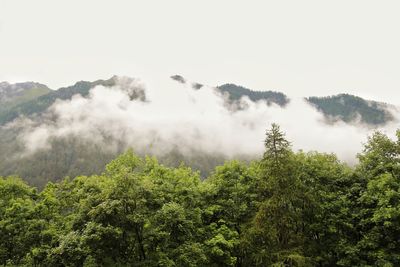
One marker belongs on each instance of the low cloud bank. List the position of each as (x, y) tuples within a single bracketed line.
[(175, 116)]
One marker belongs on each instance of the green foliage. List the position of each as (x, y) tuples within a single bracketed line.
[(31, 92), (40, 102), (277, 226), (69, 156), (72, 156), (231, 199), (289, 209), (378, 198), (326, 217), (349, 108), (236, 92)]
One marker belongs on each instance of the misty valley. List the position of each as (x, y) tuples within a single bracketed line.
[(112, 173), (46, 135)]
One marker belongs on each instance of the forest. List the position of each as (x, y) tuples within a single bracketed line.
[(350, 108), (290, 208)]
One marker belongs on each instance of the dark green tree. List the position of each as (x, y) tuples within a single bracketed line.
[(277, 231)]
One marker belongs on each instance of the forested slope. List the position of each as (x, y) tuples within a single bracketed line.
[(43, 102), (349, 108), (236, 92), (12, 95)]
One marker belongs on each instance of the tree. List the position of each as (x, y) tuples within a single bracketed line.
[(277, 229), (327, 214), (377, 209), (231, 198), (380, 155)]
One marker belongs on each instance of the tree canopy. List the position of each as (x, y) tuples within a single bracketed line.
[(287, 209)]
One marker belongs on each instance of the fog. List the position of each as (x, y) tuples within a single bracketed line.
[(174, 115)]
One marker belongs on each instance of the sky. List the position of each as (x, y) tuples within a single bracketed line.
[(301, 48)]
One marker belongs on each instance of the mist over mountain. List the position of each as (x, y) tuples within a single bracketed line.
[(236, 92), (40, 102), (29, 98), (55, 133), (350, 108)]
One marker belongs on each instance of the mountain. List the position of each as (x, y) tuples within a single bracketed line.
[(12, 95), (350, 108), (342, 107), (42, 102), (236, 92)]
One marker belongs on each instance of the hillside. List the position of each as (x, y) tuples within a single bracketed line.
[(42, 102), (236, 92), (12, 95), (350, 108)]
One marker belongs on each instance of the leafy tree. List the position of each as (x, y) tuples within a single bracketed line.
[(326, 217), (231, 198), (377, 205), (21, 226)]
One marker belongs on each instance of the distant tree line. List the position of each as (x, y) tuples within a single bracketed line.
[(349, 108), (236, 92)]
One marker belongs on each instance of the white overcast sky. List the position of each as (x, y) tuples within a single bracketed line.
[(301, 48)]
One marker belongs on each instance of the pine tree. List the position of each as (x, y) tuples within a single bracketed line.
[(277, 148), (277, 225)]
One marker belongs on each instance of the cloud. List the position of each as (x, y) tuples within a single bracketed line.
[(175, 116)]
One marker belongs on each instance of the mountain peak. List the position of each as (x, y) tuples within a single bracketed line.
[(11, 94)]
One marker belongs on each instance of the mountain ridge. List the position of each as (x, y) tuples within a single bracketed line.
[(350, 108), (16, 93), (341, 107)]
